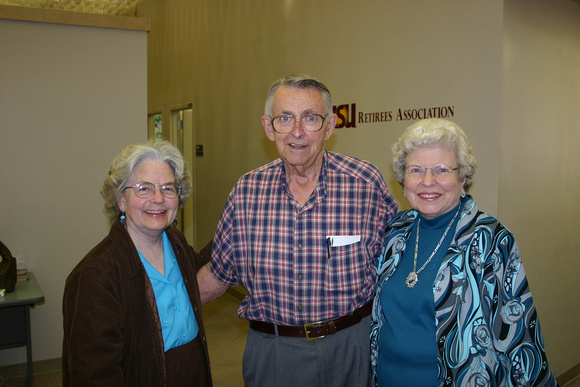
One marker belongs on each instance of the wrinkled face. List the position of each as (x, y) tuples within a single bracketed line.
[(149, 217), (299, 148), (430, 195)]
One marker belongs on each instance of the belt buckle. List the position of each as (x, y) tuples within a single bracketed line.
[(314, 324)]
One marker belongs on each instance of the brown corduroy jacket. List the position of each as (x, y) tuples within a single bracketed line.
[(112, 333)]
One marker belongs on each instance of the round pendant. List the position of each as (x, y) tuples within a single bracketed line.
[(412, 279)]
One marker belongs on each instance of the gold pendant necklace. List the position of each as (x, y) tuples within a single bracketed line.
[(413, 276)]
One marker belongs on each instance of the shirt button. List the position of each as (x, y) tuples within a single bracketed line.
[(299, 307), (300, 276), (299, 245)]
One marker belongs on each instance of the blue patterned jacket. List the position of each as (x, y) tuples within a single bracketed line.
[(488, 332)]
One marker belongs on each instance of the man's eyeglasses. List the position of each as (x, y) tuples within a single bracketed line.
[(284, 123), (440, 171), (146, 190)]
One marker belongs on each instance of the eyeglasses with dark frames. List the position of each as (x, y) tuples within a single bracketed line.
[(285, 123)]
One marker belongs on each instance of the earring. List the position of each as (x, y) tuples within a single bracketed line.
[(462, 193), (404, 193), (122, 218), (175, 222)]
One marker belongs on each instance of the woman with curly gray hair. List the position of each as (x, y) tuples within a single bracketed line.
[(452, 304), (125, 162), (132, 310)]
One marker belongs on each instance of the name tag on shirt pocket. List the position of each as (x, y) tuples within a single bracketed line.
[(342, 240)]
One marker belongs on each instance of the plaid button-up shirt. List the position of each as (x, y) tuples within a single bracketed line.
[(279, 251)]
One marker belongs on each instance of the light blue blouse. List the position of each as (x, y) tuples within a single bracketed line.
[(178, 324)]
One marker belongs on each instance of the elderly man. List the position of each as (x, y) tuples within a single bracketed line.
[(301, 234)]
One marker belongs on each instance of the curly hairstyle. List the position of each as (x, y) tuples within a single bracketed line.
[(124, 164), (434, 131)]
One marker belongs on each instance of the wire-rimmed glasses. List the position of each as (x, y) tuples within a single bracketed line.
[(146, 190), (440, 171)]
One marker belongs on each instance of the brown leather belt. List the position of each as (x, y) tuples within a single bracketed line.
[(316, 330)]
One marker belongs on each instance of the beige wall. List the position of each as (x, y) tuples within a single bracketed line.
[(71, 97), (509, 69), (539, 180), (383, 56)]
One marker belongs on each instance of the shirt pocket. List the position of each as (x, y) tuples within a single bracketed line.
[(345, 270)]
